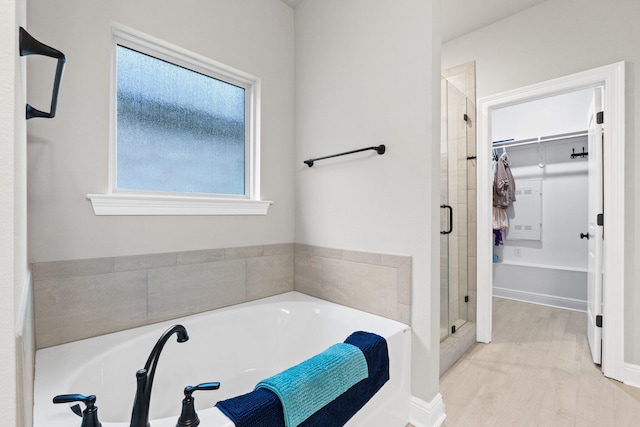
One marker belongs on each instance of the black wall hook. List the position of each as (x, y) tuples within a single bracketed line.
[(31, 46), (576, 155)]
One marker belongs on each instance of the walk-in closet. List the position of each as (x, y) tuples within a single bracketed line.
[(540, 252)]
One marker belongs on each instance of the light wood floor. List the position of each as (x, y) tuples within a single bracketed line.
[(536, 372)]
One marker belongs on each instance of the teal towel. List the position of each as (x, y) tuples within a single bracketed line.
[(305, 388)]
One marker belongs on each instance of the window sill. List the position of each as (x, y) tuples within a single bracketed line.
[(143, 204)]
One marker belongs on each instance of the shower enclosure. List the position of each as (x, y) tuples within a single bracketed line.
[(457, 202)]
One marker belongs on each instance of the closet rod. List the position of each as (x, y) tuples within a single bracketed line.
[(539, 140)]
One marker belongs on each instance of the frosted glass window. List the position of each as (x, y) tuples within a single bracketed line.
[(177, 130)]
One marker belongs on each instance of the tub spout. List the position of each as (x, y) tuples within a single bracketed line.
[(144, 377)]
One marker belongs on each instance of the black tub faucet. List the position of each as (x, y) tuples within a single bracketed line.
[(144, 377)]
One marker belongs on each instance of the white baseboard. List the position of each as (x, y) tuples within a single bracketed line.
[(542, 299), (427, 414), (632, 375)]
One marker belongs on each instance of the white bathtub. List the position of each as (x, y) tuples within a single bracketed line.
[(237, 346)]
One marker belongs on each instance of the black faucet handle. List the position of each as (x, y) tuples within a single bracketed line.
[(204, 386), (89, 415), (69, 398), (188, 416)]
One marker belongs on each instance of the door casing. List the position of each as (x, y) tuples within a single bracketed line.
[(612, 79)]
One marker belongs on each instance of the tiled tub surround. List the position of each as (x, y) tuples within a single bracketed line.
[(371, 282), (85, 298), (79, 299)]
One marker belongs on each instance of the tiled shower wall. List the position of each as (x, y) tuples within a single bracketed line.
[(85, 298)]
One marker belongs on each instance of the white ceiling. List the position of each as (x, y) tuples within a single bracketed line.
[(460, 17)]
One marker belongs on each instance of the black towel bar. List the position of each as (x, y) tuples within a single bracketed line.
[(380, 149), (31, 46)]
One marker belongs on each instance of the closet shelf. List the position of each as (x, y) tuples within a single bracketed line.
[(529, 141)]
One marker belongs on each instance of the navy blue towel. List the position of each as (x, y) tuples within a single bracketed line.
[(262, 408), (338, 412)]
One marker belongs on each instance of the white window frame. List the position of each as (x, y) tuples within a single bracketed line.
[(128, 202)]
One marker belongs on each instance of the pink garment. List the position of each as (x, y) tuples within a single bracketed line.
[(500, 219)]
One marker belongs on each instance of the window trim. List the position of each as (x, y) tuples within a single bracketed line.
[(127, 202)]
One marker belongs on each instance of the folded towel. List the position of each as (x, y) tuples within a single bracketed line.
[(338, 412), (262, 408), (312, 384)]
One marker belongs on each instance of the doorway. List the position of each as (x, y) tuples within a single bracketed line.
[(611, 78)]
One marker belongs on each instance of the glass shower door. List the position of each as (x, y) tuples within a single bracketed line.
[(444, 199), (453, 213)]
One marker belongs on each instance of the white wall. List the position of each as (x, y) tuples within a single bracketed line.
[(13, 265), (554, 115), (557, 38), (68, 156), (368, 73)]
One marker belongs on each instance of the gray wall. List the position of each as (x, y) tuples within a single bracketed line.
[(557, 38), (69, 156), (368, 73), (385, 62)]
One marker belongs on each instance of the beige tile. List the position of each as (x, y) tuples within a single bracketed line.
[(302, 249), (188, 289), (73, 308), (463, 286), (453, 251), (363, 286), (404, 282), (461, 177), (47, 270), (471, 177), (404, 313), (472, 207), (470, 92), (308, 275), (389, 260), (327, 252), (244, 252), (279, 249), (458, 80), (472, 308), (472, 273), (461, 152), (460, 221), (462, 254), (142, 262), (202, 256), (269, 275), (362, 257)]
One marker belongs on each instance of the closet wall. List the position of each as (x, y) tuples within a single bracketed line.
[(550, 269)]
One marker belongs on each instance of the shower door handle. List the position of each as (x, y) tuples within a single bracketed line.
[(450, 219)]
